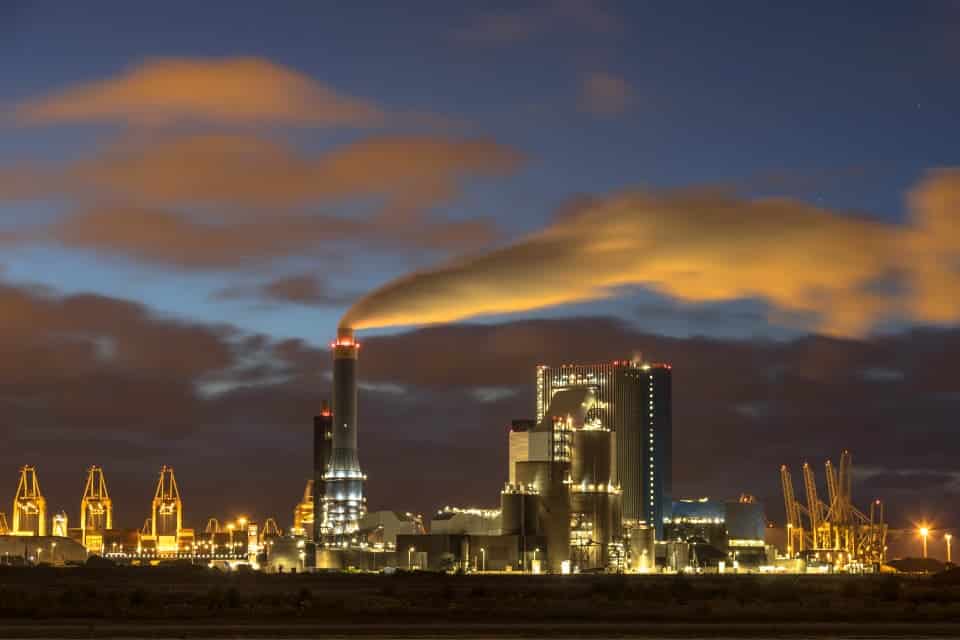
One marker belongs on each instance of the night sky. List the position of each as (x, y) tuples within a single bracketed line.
[(193, 194)]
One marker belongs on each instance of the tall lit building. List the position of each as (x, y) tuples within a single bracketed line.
[(634, 400)]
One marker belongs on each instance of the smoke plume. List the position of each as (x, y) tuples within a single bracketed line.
[(845, 273)]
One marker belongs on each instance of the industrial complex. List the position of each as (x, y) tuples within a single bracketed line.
[(589, 490)]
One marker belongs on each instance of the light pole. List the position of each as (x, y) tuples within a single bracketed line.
[(924, 532), (483, 559), (410, 558), (53, 553), (948, 538), (790, 539)]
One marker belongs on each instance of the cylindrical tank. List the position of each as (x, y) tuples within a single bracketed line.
[(592, 458), (642, 548), (520, 513)]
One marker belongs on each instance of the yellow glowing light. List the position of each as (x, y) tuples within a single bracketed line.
[(924, 531)]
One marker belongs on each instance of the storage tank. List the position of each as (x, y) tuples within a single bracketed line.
[(642, 550)]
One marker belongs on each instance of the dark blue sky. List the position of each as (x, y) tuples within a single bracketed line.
[(831, 103)]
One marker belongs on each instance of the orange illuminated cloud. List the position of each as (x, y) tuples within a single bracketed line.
[(182, 240), (704, 247), (247, 196), (235, 91), (252, 170)]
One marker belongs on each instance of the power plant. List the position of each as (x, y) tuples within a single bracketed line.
[(588, 489)]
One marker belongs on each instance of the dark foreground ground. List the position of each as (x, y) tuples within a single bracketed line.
[(186, 602)]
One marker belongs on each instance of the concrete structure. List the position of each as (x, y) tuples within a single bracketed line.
[(344, 502), (596, 521), (466, 521), (634, 400), (526, 443)]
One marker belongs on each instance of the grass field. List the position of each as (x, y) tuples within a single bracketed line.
[(201, 602)]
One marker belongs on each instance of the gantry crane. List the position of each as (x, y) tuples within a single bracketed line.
[(29, 506), (212, 528), (795, 536), (303, 513), (166, 515), (838, 532), (61, 525), (4, 527), (96, 510), (270, 529)]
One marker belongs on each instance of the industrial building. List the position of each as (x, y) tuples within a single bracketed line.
[(466, 521), (728, 531), (633, 400), (381, 528)]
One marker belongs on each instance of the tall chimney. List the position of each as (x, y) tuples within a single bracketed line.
[(345, 504)]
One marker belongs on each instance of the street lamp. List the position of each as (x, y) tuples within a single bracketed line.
[(924, 532), (410, 558), (948, 538), (53, 554), (483, 559)]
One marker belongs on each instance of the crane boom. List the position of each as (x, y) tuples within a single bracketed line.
[(813, 502)]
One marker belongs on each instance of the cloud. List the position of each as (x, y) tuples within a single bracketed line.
[(233, 91), (705, 247), (604, 94), (92, 362), (246, 195), (305, 289), (180, 240), (539, 19), (253, 171)]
